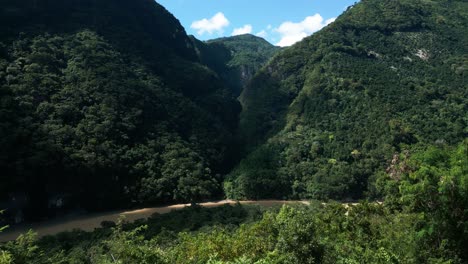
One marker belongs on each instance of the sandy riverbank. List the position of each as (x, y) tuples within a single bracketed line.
[(90, 222)]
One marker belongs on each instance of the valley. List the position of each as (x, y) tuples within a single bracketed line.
[(112, 104)]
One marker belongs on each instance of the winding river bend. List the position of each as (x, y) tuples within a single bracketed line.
[(90, 222)]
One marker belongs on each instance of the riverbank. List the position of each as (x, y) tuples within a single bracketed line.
[(91, 222)]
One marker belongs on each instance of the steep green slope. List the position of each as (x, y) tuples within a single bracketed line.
[(146, 27), (236, 59), (103, 104), (328, 113)]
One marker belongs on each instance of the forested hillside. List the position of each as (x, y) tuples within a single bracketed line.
[(109, 103), (325, 116), (236, 59), (104, 104)]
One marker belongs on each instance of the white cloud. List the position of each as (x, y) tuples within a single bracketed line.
[(215, 24), (246, 29), (262, 34), (329, 21), (293, 32)]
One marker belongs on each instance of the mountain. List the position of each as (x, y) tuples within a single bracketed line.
[(105, 104), (325, 117), (110, 104), (236, 59), (142, 26)]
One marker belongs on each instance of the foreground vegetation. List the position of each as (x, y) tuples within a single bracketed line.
[(423, 220)]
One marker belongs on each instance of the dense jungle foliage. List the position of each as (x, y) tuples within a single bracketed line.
[(105, 104), (424, 219), (236, 59), (324, 117)]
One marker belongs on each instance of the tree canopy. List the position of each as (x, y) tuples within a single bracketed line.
[(108, 108), (324, 116)]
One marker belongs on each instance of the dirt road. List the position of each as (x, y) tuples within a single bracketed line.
[(90, 222)]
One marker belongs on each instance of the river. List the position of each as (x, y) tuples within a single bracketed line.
[(92, 221)]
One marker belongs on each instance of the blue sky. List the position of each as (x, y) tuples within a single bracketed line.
[(282, 22)]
